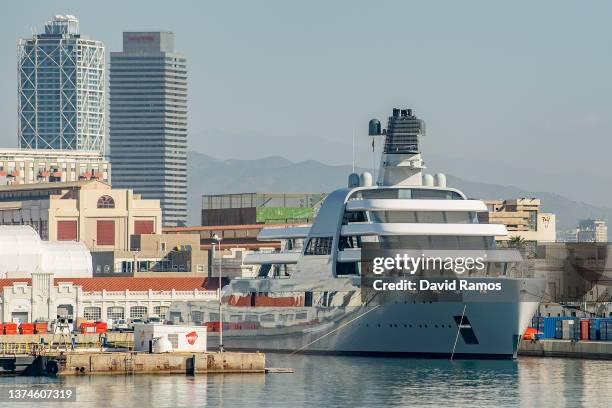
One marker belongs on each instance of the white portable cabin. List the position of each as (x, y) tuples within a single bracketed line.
[(182, 338)]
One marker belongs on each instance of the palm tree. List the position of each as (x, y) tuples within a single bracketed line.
[(517, 242)]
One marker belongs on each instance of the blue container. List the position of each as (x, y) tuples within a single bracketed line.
[(549, 328), (558, 329), (594, 329), (553, 327), (605, 329), (538, 323)]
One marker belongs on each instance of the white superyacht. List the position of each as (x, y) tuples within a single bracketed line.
[(309, 297)]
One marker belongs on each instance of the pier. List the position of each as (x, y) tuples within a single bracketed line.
[(117, 362), (601, 350)]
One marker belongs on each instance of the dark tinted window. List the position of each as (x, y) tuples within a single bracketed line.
[(319, 246)]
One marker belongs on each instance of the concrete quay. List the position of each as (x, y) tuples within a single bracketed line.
[(91, 363), (601, 350)]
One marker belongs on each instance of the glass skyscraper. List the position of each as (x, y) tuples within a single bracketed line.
[(148, 121), (61, 89)]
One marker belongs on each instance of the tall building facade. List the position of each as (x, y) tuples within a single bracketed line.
[(61, 89), (523, 217), (148, 121)]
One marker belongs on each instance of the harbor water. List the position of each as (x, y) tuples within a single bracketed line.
[(334, 381)]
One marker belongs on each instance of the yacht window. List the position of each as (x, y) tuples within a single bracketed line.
[(435, 194), (264, 270), (444, 242), (347, 268), (394, 216), (354, 216), (407, 241), (414, 193), (476, 242), (349, 242), (438, 242), (430, 217), (319, 246), (459, 217), (267, 318)]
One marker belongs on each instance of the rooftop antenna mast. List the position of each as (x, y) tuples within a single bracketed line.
[(353, 150)]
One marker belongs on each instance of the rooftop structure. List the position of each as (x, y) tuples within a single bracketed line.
[(259, 208), (27, 166)]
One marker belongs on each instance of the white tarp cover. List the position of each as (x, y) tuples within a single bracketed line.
[(23, 252)]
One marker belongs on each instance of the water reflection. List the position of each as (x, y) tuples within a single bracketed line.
[(355, 381)]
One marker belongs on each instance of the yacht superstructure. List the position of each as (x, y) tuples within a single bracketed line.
[(309, 298)]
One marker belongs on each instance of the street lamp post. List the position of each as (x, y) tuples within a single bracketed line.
[(217, 239)]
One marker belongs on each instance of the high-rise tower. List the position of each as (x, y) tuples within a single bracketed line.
[(148, 121), (61, 88)]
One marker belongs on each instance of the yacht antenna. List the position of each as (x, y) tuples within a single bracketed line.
[(353, 150)]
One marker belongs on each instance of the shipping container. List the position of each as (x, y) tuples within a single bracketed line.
[(570, 329), (41, 327), (101, 327), (10, 328), (26, 328), (553, 327), (584, 329), (594, 329), (605, 329), (88, 327), (538, 323)]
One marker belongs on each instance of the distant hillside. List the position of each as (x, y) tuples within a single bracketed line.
[(210, 176)]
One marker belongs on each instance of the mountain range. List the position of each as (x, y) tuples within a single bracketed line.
[(567, 179), (208, 175)]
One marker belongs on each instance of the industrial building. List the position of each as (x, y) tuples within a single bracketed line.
[(28, 166), (148, 121), (154, 255), (523, 217), (40, 280), (259, 208), (43, 297), (89, 211), (61, 89)]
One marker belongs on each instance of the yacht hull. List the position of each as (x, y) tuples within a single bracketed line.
[(401, 327)]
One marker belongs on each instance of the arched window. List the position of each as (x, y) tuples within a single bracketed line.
[(115, 312), (161, 311), (138, 312), (106, 202), (92, 313), (197, 316)]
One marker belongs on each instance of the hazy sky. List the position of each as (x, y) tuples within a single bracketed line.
[(522, 82)]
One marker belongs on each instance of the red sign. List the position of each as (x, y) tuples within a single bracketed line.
[(141, 38), (191, 337)]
